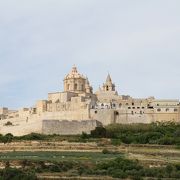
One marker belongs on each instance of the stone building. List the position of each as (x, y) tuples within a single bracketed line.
[(77, 106)]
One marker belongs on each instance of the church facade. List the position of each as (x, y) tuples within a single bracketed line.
[(78, 109)]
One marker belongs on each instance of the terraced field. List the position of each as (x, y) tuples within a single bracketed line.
[(89, 153), (42, 150)]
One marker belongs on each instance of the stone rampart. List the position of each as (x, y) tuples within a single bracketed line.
[(65, 127)]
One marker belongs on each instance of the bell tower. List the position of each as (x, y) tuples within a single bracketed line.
[(108, 85)]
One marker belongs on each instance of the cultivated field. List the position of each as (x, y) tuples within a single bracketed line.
[(87, 153)]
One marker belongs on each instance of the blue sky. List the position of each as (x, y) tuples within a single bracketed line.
[(136, 41)]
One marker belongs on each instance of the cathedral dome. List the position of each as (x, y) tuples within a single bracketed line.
[(74, 74), (75, 82)]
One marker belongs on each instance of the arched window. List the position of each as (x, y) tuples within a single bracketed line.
[(159, 110), (107, 88)]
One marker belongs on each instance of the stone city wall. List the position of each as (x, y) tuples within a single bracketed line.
[(65, 127), (109, 116), (21, 125), (80, 114)]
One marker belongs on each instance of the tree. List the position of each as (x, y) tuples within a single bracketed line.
[(99, 132), (7, 138)]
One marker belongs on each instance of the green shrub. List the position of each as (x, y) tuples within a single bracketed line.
[(84, 135), (33, 136), (105, 151), (99, 132), (7, 138), (15, 174)]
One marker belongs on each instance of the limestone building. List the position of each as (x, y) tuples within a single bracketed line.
[(78, 109)]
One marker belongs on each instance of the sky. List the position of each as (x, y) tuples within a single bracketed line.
[(136, 41)]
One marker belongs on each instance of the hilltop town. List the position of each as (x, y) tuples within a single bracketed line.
[(78, 109)]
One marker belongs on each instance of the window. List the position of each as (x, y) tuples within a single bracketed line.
[(132, 104), (68, 87), (82, 87), (95, 112), (133, 107), (175, 110), (129, 107), (107, 88), (167, 109), (127, 104), (75, 86), (159, 110), (132, 112), (116, 113), (140, 112), (138, 107)]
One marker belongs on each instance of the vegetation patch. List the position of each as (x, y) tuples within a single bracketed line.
[(119, 167), (16, 174), (155, 133)]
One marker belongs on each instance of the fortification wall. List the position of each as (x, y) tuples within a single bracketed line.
[(68, 127), (33, 123), (165, 117), (80, 114), (22, 126), (109, 116), (123, 116), (137, 118), (105, 116)]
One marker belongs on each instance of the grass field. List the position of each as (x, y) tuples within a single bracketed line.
[(58, 156)]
